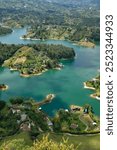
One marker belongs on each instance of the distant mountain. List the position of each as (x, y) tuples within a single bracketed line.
[(77, 2), (80, 3)]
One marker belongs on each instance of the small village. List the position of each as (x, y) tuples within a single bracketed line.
[(30, 117)]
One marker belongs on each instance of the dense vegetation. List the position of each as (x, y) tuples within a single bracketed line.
[(4, 30), (71, 20), (74, 34), (34, 59), (67, 122), (6, 51), (17, 13), (25, 116)]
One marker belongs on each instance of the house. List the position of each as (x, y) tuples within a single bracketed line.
[(94, 123), (86, 111), (23, 117), (50, 123), (40, 108), (15, 110), (74, 126), (66, 110), (75, 108), (25, 126)]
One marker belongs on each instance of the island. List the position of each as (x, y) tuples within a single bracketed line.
[(32, 60), (3, 87), (94, 84)]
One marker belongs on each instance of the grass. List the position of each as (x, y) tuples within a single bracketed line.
[(87, 119), (23, 135), (84, 142)]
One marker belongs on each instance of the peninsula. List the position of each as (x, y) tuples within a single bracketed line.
[(48, 99), (33, 60), (82, 37), (5, 30)]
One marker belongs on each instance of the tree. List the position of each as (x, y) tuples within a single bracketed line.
[(2, 104), (48, 144)]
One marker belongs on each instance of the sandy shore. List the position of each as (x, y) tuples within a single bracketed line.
[(36, 74), (13, 69), (87, 87), (27, 75), (33, 39), (93, 96)]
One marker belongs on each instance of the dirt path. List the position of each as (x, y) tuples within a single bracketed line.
[(83, 122)]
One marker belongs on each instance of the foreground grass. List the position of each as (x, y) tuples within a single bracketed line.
[(84, 142), (24, 136)]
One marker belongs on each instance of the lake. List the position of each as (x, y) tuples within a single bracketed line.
[(66, 84)]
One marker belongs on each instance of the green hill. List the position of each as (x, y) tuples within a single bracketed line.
[(36, 59)]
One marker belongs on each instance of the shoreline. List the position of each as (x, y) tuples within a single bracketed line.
[(91, 88), (27, 75), (88, 87), (78, 43), (95, 97), (48, 99), (33, 39), (35, 74)]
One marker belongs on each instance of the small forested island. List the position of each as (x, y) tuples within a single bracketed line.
[(94, 84), (5, 30), (82, 36), (34, 59), (3, 87), (30, 122)]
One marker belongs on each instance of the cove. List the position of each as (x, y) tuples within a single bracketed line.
[(66, 84)]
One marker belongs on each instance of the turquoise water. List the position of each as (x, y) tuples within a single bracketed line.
[(67, 84)]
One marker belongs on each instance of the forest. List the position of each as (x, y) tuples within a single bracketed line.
[(4, 30)]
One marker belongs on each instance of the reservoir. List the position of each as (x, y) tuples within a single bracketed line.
[(66, 84)]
